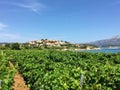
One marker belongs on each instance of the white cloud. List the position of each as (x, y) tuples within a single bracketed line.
[(9, 36), (6, 35), (31, 5), (2, 26), (34, 6)]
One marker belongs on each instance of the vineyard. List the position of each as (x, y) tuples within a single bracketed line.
[(61, 70)]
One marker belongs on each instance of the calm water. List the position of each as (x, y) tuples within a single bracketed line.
[(104, 50)]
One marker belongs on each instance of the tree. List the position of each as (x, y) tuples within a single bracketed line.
[(15, 46), (7, 45)]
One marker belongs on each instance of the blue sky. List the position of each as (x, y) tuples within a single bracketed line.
[(76, 21)]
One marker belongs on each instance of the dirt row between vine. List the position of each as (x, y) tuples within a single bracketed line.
[(19, 83)]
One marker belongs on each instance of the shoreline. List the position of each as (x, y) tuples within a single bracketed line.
[(81, 49)]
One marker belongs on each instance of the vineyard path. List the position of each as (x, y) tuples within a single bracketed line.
[(19, 83)]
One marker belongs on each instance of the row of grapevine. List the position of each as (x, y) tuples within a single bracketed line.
[(6, 73), (66, 70)]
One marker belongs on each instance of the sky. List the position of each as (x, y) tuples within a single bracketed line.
[(76, 21)]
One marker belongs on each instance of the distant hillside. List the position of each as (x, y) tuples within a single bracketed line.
[(59, 44), (48, 44), (114, 41), (3, 43)]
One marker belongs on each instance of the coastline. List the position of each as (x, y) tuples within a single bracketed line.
[(81, 49)]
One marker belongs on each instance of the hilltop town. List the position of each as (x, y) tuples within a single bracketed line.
[(59, 44), (47, 42)]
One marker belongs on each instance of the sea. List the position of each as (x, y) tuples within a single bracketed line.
[(103, 50)]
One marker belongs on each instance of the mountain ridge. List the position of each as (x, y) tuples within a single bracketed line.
[(114, 41)]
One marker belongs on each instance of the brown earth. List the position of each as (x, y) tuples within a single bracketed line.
[(19, 83)]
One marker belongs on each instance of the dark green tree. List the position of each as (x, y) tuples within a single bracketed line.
[(7, 45), (15, 46)]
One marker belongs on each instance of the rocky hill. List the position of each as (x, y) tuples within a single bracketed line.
[(114, 41)]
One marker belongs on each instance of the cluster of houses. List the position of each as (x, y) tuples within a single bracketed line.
[(47, 42)]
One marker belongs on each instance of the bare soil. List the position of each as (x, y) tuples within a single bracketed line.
[(19, 83)]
